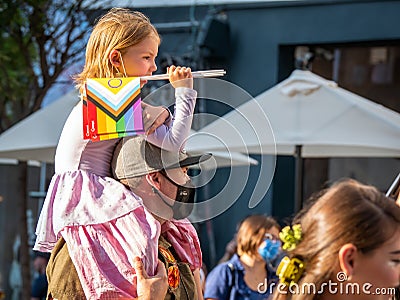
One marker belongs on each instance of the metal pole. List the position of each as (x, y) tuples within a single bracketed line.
[(298, 179), (41, 193), (42, 185)]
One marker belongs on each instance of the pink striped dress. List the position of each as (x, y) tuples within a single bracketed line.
[(103, 223)]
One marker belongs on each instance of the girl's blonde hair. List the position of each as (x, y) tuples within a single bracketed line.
[(119, 29), (348, 212), (251, 233)]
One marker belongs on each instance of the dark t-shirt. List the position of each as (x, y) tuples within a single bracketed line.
[(39, 287), (227, 282)]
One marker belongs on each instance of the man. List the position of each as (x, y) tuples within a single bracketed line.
[(160, 179), (39, 284), (166, 194)]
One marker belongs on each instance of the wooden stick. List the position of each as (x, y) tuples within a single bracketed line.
[(196, 74)]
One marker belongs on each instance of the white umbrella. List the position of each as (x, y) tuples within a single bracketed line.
[(36, 137), (308, 116), (306, 110), (221, 159)]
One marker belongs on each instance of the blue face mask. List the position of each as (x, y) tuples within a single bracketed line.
[(271, 250)]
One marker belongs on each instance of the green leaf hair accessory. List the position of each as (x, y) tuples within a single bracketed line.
[(290, 236)]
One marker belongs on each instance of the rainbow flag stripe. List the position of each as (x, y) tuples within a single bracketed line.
[(112, 108)]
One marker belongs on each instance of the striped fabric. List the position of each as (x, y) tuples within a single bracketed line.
[(112, 108)]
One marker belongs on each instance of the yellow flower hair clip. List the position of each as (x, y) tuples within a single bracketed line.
[(290, 270), (290, 237)]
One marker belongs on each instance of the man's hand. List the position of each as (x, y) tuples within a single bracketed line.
[(154, 287)]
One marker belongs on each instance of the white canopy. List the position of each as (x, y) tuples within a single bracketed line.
[(36, 137), (309, 111)]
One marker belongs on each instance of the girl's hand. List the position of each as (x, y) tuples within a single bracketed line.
[(180, 76), (154, 287), (154, 117)]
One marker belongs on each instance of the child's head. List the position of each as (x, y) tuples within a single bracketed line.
[(119, 29), (350, 229)]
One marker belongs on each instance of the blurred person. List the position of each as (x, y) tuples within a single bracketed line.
[(203, 276), (39, 283), (347, 237), (231, 246), (15, 273), (230, 250), (397, 293), (247, 275)]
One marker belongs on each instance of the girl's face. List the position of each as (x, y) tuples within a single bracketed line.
[(380, 269), (273, 234), (139, 60)]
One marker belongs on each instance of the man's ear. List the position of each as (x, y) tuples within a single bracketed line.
[(115, 58), (154, 179), (347, 255)]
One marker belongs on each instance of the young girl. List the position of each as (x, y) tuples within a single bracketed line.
[(248, 274), (347, 246), (90, 210)]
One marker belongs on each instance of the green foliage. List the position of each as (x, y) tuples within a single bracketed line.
[(39, 39), (14, 78)]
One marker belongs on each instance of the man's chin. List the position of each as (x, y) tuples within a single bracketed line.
[(163, 216)]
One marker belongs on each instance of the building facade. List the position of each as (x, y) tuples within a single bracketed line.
[(259, 43)]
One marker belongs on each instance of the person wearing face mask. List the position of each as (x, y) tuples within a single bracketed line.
[(249, 273), (161, 231)]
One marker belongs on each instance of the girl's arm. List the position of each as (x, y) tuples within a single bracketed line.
[(173, 137)]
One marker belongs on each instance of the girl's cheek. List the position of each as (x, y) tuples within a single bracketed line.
[(394, 273)]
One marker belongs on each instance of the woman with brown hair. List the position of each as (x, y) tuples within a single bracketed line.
[(345, 245), (247, 275)]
